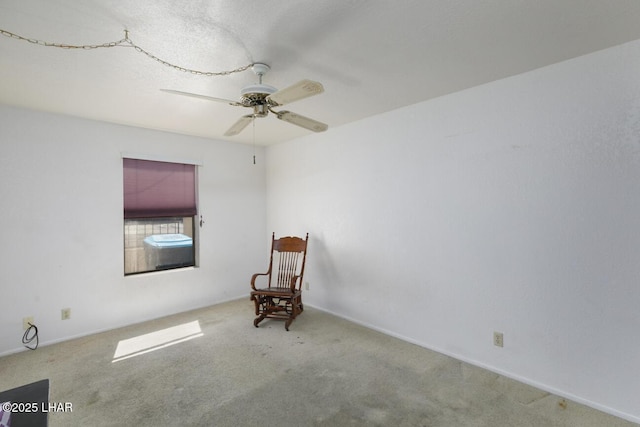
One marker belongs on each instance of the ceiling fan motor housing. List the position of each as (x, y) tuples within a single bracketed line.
[(258, 89), (261, 98), (256, 94)]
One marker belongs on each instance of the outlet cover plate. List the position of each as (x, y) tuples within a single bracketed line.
[(26, 321), (498, 339)]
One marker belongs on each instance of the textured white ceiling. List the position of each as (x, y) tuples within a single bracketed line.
[(371, 55)]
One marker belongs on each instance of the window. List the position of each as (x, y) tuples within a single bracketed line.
[(159, 215)]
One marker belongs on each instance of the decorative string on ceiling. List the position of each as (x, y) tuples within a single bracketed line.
[(125, 42)]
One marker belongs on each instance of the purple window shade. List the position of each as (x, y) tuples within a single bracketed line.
[(158, 189)]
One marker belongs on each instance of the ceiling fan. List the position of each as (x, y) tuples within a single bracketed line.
[(263, 98)]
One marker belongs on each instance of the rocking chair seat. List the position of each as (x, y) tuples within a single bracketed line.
[(282, 300), (276, 291)]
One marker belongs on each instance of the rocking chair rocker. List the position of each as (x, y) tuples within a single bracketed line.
[(282, 297)]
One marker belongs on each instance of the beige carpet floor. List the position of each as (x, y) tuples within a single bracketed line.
[(211, 367)]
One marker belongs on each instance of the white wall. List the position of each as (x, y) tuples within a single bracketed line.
[(62, 226), (512, 207)]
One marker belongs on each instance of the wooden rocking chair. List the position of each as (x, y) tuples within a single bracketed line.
[(282, 297)]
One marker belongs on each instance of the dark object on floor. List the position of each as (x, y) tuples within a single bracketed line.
[(282, 297), (31, 402)]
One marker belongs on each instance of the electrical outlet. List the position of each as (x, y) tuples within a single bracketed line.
[(26, 321), (306, 286), (498, 339), (65, 313)]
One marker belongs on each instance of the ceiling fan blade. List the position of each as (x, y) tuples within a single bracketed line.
[(239, 125), (302, 89), (301, 121), (208, 98)]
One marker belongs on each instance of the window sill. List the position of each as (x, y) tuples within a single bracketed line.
[(161, 272)]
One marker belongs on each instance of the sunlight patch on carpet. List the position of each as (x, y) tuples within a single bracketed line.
[(163, 338)]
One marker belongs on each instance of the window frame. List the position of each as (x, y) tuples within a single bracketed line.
[(195, 235)]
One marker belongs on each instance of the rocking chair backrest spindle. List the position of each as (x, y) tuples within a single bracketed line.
[(291, 253)]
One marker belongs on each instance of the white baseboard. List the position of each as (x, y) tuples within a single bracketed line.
[(111, 328), (524, 380)]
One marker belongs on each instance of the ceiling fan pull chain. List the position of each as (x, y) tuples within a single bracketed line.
[(254, 140)]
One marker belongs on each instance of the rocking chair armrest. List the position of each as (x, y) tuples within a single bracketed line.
[(294, 279), (253, 279)]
